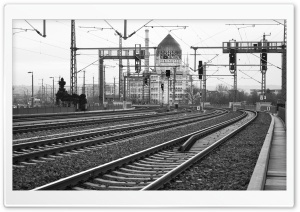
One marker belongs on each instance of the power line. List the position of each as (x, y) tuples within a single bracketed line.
[(250, 77), (266, 61), (41, 53)]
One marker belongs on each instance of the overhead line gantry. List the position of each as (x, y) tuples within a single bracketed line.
[(262, 47)]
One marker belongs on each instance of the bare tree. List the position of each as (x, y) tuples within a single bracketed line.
[(192, 95)]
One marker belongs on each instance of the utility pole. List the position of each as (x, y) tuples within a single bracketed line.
[(42, 91), (162, 97), (174, 82), (120, 67), (104, 93), (53, 90), (263, 67), (283, 65), (31, 87), (168, 95), (204, 84), (114, 88), (83, 88), (73, 71), (93, 91)]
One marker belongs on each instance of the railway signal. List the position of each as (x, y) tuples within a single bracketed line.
[(264, 59), (162, 87), (200, 69), (145, 81), (168, 73), (232, 59)]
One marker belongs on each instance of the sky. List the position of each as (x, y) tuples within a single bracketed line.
[(50, 56)]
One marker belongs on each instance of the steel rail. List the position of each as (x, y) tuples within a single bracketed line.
[(91, 142), (73, 180), (179, 169), (51, 141), (80, 121), (77, 114)]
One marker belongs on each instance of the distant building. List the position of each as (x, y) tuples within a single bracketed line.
[(274, 91), (168, 57)]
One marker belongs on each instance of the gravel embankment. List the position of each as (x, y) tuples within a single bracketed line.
[(42, 173), (230, 166)]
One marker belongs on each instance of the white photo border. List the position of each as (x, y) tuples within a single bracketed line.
[(149, 198)]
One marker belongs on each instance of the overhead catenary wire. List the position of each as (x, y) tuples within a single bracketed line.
[(250, 76), (266, 61)]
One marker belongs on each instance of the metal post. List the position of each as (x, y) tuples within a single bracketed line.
[(162, 97), (42, 91), (100, 81), (93, 91), (83, 82), (114, 88), (53, 92), (44, 28), (31, 72), (168, 95), (73, 71), (194, 69), (200, 97), (143, 87), (283, 66), (46, 93), (149, 89), (235, 79), (125, 88), (204, 84), (120, 67), (174, 81)]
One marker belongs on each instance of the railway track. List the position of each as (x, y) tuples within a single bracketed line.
[(75, 122), (152, 168), (51, 116), (35, 150)]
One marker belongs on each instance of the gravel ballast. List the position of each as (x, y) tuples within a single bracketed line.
[(230, 166), (32, 176)]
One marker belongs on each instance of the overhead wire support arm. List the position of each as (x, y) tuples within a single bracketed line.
[(44, 28), (137, 30), (114, 29)]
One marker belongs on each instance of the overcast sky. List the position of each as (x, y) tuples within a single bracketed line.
[(50, 56)]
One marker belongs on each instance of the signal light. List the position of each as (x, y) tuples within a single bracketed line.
[(232, 55), (200, 70), (162, 87), (145, 81), (264, 58), (168, 73)]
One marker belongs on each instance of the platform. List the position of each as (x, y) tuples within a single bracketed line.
[(276, 172)]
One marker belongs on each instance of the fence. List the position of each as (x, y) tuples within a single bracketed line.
[(281, 113)]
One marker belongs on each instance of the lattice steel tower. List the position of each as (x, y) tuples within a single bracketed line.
[(73, 69)]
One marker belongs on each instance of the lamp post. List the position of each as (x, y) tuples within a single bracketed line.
[(31, 72), (53, 90)]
